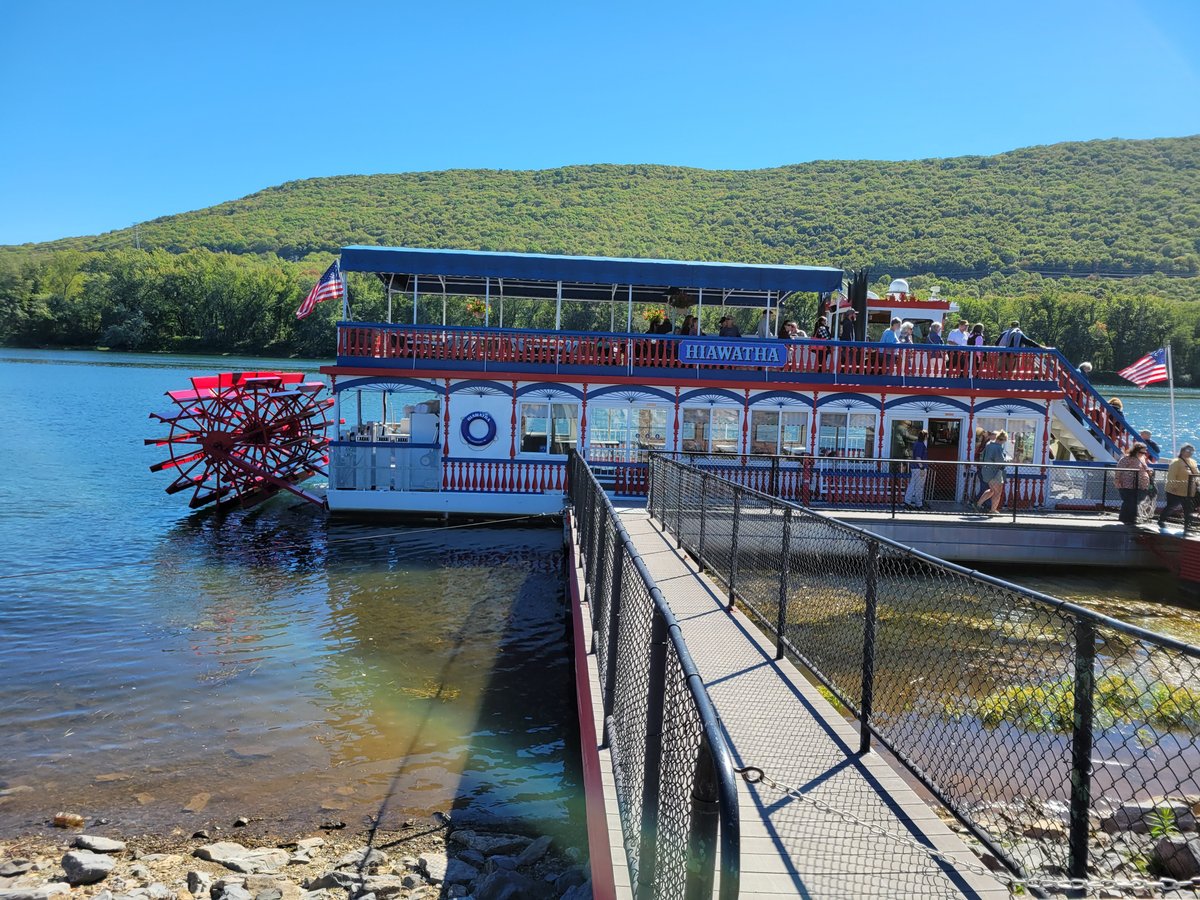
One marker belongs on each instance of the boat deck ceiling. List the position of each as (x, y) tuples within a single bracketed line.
[(589, 278)]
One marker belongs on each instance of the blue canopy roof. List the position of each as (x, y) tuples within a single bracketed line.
[(583, 277)]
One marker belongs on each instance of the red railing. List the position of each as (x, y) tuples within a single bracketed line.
[(624, 354)]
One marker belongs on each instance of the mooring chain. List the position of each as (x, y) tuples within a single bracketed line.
[(755, 775)]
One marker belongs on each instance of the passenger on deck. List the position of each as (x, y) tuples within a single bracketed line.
[(958, 337), (660, 326), (906, 333), (977, 339), (1183, 480), (1011, 336), (992, 473), (821, 330), (1085, 371), (729, 328), (1151, 444), (846, 328), (914, 496), (690, 326), (789, 331), (935, 334), (764, 325), (892, 335), (1132, 479)]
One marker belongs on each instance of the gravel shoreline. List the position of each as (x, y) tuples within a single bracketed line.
[(425, 859)]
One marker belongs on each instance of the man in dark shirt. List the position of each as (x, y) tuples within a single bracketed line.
[(729, 327), (914, 497), (846, 328)]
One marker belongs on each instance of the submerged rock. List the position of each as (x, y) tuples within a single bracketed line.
[(490, 844), (504, 885)]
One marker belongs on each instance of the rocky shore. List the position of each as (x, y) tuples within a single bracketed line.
[(427, 859)]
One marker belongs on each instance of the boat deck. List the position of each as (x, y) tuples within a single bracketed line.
[(776, 720)]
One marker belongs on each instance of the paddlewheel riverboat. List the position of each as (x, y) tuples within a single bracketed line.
[(478, 420)]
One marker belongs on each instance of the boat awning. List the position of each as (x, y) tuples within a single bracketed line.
[(536, 275)]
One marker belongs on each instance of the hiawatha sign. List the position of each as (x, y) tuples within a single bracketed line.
[(725, 352)]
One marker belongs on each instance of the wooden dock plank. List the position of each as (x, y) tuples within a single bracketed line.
[(776, 720)]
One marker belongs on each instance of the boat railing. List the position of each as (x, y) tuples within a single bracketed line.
[(1052, 731), (677, 800), (898, 486), (419, 346)]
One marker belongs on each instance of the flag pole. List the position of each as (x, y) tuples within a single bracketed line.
[(1171, 389), (345, 292)]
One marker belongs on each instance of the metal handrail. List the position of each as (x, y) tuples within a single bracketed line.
[(715, 784), (1084, 624)]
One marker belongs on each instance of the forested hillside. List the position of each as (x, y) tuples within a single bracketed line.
[(1122, 218)]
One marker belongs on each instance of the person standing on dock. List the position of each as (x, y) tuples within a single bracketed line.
[(992, 473), (914, 496), (1183, 479), (1132, 479)]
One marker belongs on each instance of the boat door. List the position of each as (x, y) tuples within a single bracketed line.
[(943, 444), (945, 438)]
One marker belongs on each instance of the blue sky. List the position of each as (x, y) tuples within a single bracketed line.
[(127, 111)]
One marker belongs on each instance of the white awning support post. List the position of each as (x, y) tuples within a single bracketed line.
[(699, 309), (416, 283), (442, 279), (487, 302), (629, 312), (558, 308), (500, 281)]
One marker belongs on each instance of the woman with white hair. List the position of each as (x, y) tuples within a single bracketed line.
[(1183, 480), (906, 333)]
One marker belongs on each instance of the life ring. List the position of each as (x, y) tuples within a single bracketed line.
[(470, 432)]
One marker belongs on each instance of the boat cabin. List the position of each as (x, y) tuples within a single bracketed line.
[(477, 416)]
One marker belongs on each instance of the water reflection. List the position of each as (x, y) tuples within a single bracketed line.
[(269, 662)]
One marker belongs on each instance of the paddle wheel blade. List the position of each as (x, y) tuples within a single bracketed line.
[(241, 437)]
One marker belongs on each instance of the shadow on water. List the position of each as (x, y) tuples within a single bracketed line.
[(308, 671)]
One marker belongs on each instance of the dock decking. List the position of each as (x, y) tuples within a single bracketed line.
[(776, 720)]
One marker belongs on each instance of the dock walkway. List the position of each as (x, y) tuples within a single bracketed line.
[(776, 720)]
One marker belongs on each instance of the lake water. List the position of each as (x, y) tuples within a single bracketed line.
[(275, 662), (284, 664)]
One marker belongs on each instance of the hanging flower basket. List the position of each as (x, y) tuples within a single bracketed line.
[(679, 299)]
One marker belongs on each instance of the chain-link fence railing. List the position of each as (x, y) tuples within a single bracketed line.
[(1067, 741), (671, 765), (1005, 491)]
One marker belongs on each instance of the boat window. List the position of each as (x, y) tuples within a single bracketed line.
[(624, 434), (1022, 435), (549, 427), (847, 434), (693, 432), (774, 432)]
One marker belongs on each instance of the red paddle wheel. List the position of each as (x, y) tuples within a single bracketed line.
[(241, 437)]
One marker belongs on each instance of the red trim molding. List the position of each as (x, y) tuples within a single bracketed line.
[(599, 849)]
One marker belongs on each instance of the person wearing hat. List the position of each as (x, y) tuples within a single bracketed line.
[(846, 326)]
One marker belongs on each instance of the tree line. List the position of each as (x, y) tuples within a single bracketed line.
[(204, 301)]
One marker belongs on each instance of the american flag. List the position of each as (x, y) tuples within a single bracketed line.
[(330, 287), (1150, 368)]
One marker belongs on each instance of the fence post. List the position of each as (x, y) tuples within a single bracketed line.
[(868, 672), (1081, 747), (703, 518), (614, 636), (1016, 491), (785, 563), (1103, 489), (650, 484), (733, 548), (655, 689), (702, 840), (774, 476), (679, 512), (593, 586)]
